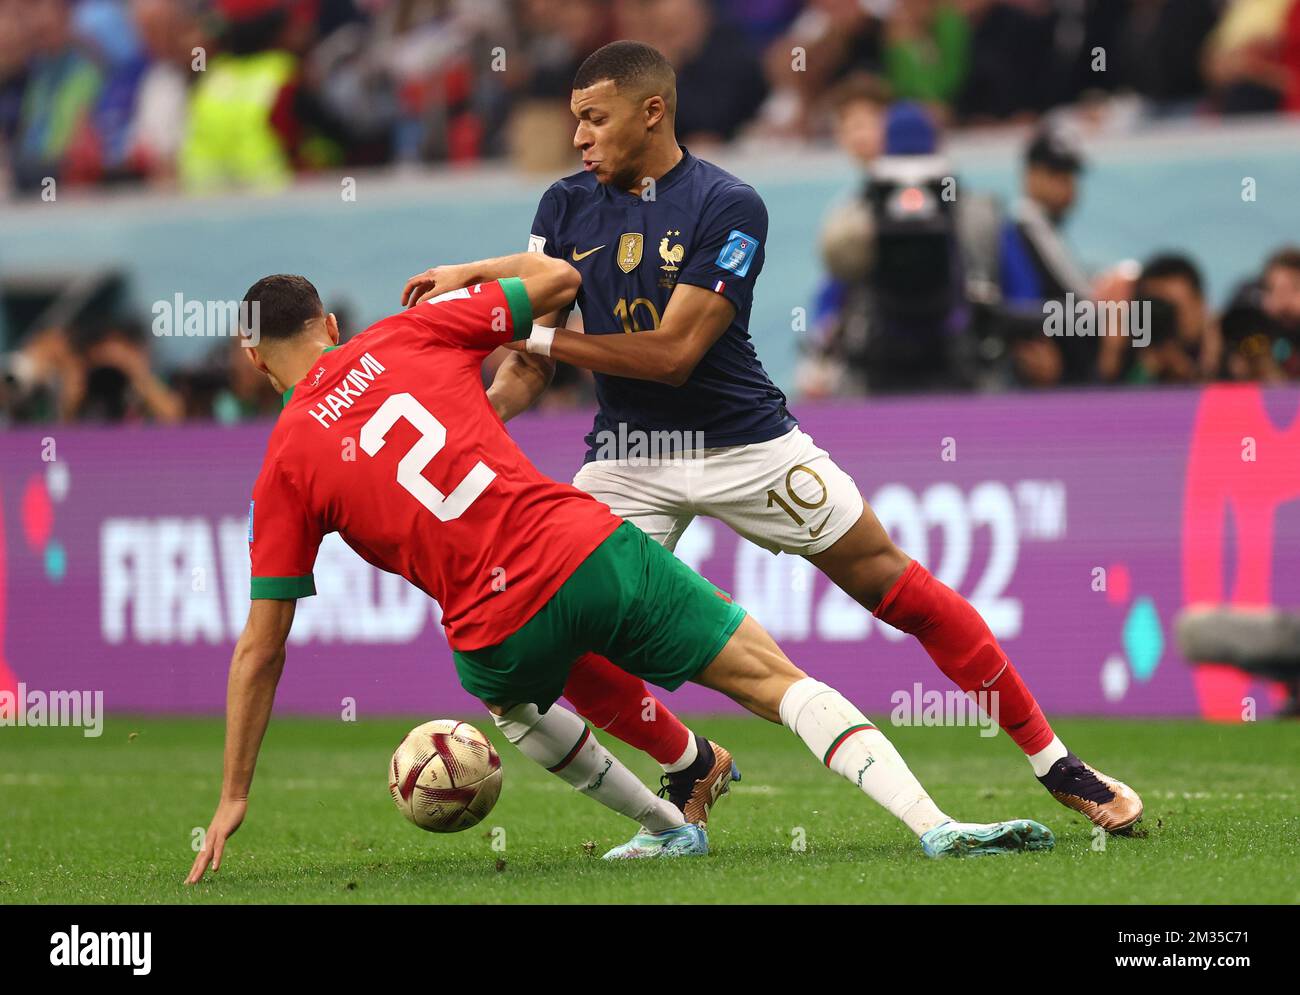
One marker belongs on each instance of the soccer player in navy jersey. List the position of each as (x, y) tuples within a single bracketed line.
[(670, 247)]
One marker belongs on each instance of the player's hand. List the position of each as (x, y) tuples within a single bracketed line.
[(431, 283), (230, 814)]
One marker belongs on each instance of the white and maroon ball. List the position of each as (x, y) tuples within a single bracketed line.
[(445, 776)]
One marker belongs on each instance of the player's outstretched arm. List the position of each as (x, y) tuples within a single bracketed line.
[(551, 283), (255, 670), (694, 319)]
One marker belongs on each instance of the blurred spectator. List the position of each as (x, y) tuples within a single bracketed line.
[(762, 21), (1177, 280), (829, 40), (1010, 59), (170, 33), (1087, 36), (860, 105), (1163, 45), (241, 132), (42, 380), (442, 56), (556, 36), (100, 373), (1036, 266), (1281, 303), (1291, 58), (1244, 57), (927, 52), (1250, 338), (60, 91), (120, 385), (1184, 342), (99, 150), (14, 44), (227, 388), (720, 83)]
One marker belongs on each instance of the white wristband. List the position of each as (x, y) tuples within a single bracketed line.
[(540, 340)]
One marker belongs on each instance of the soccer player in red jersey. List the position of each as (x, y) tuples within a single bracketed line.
[(531, 574)]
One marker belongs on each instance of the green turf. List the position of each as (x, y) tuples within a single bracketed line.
[(110, 820)]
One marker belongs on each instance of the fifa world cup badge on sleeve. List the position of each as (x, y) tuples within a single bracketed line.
[(738, 252), (250, 523)]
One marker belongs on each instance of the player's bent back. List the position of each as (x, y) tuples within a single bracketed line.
[(390, 441)]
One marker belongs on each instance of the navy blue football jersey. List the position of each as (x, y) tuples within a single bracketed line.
[(702, 227)]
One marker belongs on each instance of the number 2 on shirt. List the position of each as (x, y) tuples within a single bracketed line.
[(433, 436)]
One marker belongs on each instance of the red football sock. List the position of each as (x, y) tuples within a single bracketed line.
[(960, 642), (619, 702)]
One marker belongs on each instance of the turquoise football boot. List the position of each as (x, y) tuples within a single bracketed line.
[(684, 841), (976, 839)]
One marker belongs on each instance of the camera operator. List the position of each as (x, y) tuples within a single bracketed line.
[(898, 316)]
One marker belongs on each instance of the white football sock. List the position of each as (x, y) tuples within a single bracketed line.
[(562, 743), (687, 758), (1042, 760), (846, 742)]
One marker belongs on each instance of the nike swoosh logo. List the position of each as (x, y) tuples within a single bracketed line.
[(814, 533), (990, 683), (583, 255)]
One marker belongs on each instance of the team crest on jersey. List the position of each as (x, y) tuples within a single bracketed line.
[(630, 245), (671, 254)]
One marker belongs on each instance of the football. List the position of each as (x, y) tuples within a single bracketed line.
[(445, 776)]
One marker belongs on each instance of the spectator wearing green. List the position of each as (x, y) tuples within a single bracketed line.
[(927, 51)]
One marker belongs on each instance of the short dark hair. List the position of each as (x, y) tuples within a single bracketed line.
[(1287, 257), (858, 88), (631, 66), (1172, 265), (284, 305)]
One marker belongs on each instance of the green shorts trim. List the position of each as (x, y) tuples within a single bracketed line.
[(632, 601)]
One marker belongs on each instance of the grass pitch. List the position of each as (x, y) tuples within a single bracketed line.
[(111, 820)]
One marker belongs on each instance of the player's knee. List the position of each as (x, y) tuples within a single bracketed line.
[(517, 722)]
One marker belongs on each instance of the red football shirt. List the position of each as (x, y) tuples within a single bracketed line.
[(390, 441)]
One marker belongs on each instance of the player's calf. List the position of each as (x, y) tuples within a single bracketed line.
[(752, 670), (562, 743)]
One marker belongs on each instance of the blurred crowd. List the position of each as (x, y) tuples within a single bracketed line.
[(213, 93), (929, 289), (924, 290)]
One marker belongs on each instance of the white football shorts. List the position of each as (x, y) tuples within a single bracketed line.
[(785, 495)]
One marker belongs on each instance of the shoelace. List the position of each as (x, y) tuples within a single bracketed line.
[(679, 796), (1089, 786)]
